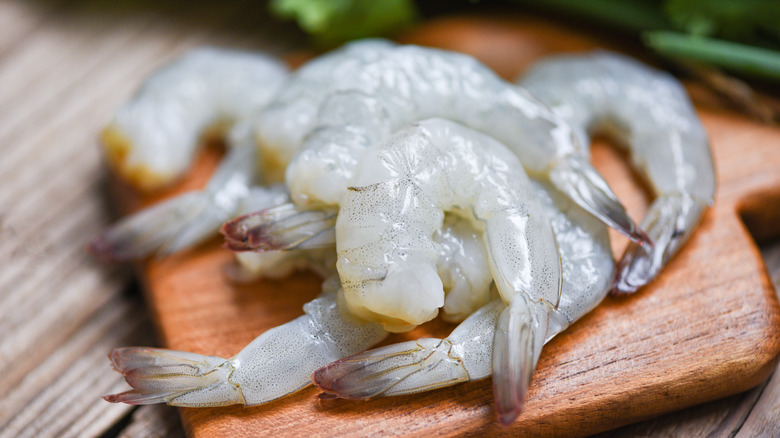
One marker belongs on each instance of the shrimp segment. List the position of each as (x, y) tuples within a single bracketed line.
[(465, 355), (649, 112), (343, 102)]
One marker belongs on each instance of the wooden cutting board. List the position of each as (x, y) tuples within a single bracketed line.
[(708, 327)]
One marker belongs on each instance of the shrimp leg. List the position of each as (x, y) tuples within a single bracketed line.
[(649, 113)]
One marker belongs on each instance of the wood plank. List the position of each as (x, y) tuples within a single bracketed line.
[(65, 65), (707, 328), (154, 420), (727, 417)]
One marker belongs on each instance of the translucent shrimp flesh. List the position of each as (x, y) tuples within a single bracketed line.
[(277, 363), (152, 139), (649, 112), (465, 355), (387, 258), (337, 105)]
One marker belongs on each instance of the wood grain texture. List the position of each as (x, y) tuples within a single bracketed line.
[(51, 116), (65, 65), (706, 328), (154, 421), (727, 417)]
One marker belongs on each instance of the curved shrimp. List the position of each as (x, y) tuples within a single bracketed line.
[(339, 104), (387, 259), (152, 140), (650, 113), (416, 366), (396, 201), (281, 360)]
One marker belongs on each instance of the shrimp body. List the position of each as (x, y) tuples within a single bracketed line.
[(343, 102), (649, 113), (465, 355), (398, 195)]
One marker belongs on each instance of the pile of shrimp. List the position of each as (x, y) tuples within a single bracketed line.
[(415, 181)]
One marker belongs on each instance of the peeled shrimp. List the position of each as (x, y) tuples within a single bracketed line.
[(649, 112), (341, 103), (152, 139), (387, 258), (465, 355)]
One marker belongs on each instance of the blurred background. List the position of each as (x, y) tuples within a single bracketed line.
[(66, 65)]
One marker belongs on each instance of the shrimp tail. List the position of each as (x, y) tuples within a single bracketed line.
[(416, 366), (404, 368), (277, 363), (669, 222), (191, 218), (174, 377), (517, 344), (577, 178), (283, 227), (157, 229)]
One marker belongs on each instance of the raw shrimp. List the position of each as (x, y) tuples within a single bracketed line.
[(277, 363), (396, 200), (339, 104), (410, 367), (153, 138), (281, 360), (387, 258), (649, 112)]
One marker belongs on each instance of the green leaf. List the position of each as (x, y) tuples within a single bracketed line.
[(739, 20), (748, 60), (332, 22), (626, 15)]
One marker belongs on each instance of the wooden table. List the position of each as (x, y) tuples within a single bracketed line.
[(65, 65)]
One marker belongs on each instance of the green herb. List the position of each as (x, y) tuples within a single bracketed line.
[(756, 21), (332, 22), (748, 60)]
